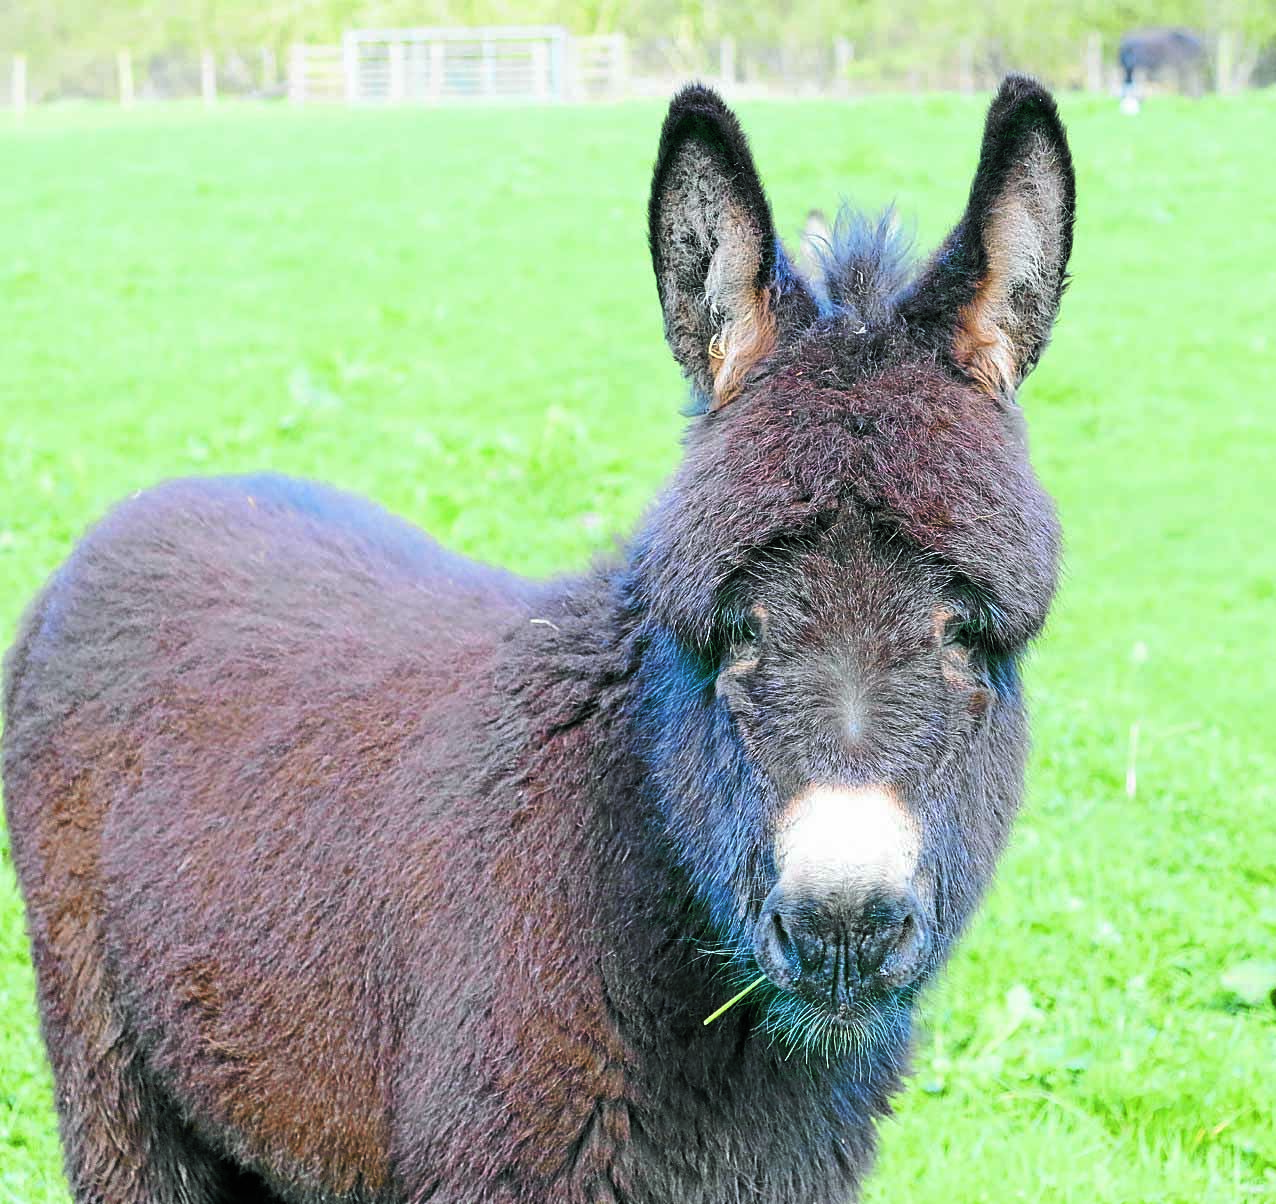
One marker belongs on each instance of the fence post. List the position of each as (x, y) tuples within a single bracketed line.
[(619, 65), (350, 67), (843, 57), (208, 77), (18, 84), (297, 73), (726, 60), (540, 70), (269, 69), (438, 65), (966, 66), (398, 73), (1093, 61), (1226, 61), (487, 70), (124, 71), (569, 64)]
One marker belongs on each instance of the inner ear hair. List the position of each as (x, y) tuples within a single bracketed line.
[(1003, 329), (741, 320), (713, 246), (992, 292)]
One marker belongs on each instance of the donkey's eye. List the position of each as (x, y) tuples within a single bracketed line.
[(959, 632), (748, 627)]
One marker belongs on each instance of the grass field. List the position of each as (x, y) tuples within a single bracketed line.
[(453, 312)]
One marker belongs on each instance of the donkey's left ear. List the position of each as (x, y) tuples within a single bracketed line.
[(719, 269), (990, 295)]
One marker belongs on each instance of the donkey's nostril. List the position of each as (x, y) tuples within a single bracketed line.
[(775, 948), (902, 944)]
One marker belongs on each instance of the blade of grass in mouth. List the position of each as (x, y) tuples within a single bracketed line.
[(730, 1003)]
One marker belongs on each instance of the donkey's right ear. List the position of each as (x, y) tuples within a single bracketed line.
[(719, 268), (990, 295)]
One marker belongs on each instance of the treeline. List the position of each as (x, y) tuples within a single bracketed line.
[(63, 32)]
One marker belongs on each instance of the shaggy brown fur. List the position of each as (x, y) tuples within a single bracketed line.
[(356, 872)]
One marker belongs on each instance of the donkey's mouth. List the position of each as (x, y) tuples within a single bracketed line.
[(856, 1027)]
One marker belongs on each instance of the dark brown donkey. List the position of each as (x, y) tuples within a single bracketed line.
[(359, 872)]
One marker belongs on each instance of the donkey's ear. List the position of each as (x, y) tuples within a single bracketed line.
[(713, 246), (992, 291)]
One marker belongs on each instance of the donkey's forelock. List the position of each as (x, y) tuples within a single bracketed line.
[(928, 464), (859, 264)]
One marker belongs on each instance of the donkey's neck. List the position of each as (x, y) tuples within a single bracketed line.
[(681, 1110)]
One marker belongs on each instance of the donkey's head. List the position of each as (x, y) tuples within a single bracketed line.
[(839, 583)]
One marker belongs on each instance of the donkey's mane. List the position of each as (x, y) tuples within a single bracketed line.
[(865, 263)]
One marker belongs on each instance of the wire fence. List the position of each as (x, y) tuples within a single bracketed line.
[(546, 64)]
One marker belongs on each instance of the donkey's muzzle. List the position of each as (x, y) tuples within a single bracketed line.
[(843, 951)]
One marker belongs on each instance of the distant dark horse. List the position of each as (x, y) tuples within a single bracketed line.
[(1155, 51), (358, 872)]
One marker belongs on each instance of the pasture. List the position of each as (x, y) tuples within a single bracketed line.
[(453, 313)]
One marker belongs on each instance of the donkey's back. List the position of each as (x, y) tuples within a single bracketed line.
[(247, 716), (262, 582)]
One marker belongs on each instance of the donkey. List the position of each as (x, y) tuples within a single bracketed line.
[(357, 872), (1153, 51)]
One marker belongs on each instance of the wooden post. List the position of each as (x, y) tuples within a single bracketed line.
[(726, 60), (350, 68), (619, 65), (487, 70), (556, 64), (297, 73), (18, 85), (208, 77), (398, 74), (269, 69), (572, 91), (1094, 61), (843, 57), (966, 66), (124, 71), (438, 66), (1225, 66), (540, 70)]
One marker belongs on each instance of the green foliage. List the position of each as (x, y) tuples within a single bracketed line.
[(1036, 35), (453, 312)]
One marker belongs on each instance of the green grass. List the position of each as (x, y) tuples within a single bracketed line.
[(453, 313)]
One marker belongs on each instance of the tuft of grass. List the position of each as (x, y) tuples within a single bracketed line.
[(452, 312)]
